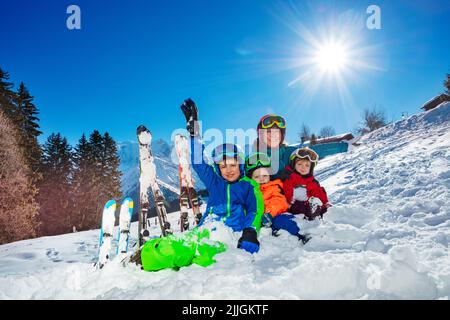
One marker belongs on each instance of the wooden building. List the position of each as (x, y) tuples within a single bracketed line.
[(433, 103)]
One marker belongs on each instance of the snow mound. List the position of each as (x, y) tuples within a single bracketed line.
[(386, 237)]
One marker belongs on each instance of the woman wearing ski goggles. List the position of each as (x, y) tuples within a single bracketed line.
[(270, 120), (271, 133)]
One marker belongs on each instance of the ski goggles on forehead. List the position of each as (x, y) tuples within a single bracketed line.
[(228, 151), (309, 154), (257, 160), (271, 120)]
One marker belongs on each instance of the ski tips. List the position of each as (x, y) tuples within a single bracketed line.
[(110, 203), (129, 202), (180, 137), (141, 129), (144, 135)]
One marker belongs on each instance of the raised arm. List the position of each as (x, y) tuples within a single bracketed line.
[(203, 169)]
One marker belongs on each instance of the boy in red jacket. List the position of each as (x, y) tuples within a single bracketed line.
[(303, 192)]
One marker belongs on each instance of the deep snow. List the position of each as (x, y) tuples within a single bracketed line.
[(386, 237)]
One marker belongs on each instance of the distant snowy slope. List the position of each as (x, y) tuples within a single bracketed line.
[(386, 237)]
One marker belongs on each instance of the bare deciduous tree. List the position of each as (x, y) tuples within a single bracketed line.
[(313, 140), (373, 119), (18, 208), (327, 131), (305, 133)]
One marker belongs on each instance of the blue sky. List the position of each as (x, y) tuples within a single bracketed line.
[(134, 62)]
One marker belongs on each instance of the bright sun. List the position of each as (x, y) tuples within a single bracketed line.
[(331, 57)]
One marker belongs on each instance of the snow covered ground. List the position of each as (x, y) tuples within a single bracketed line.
[(386, 237)]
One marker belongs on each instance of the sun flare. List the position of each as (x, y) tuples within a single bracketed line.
[(324, 58), (331, 57)]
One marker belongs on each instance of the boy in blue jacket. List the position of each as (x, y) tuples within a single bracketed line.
[(233, 198)]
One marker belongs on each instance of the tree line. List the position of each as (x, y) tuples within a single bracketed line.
[(372, 119), (52, 188)]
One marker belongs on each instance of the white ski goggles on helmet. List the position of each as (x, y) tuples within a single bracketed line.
[(305, 153)]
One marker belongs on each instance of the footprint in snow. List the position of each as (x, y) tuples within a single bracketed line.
[(53, 255), (25, 255)]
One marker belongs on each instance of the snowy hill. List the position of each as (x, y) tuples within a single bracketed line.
[(386, 237)]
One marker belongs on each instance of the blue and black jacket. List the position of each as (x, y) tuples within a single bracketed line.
[(238, 204)]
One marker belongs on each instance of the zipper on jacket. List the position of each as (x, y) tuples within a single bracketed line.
[(228, 201)]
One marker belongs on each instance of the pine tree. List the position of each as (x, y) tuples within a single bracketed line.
[(18, 208), (447, 84), (96, 179), (54, 191), (106, 173), (96, 153), (83, 186), (111, 172), (87, 182), (7, 97), (28, 128)]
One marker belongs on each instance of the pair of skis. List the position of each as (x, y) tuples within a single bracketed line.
[(148, 183), (107, 229)]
